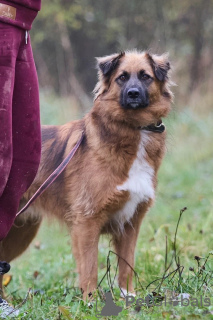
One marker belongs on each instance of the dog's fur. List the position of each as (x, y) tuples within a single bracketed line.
[(110, 183)]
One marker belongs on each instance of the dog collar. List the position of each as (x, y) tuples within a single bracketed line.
[(159, 127)]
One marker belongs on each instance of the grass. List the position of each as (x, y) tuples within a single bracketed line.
[(185, 180)]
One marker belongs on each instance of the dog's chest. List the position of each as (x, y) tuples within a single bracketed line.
[(139, 184)]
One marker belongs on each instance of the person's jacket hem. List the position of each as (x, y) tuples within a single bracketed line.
[(24, 12)]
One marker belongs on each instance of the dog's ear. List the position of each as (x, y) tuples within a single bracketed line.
[(160, 65), (106, 66), (109, 64)]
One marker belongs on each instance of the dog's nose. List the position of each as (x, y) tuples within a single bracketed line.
[(133, 93)]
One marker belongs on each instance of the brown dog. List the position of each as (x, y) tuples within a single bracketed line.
[(110, 183)]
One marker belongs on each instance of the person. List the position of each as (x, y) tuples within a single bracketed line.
[(20, 131)]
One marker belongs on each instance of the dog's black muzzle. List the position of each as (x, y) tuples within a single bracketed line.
[(135, 98), (4, 267)]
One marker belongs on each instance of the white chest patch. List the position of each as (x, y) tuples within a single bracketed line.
[(139, 184)]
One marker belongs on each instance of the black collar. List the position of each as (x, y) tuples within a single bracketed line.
[(159, 127)]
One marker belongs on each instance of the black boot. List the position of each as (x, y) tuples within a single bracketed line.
[(5, 309), (4, 267)]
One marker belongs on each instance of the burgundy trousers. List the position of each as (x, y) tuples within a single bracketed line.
[(20, 136)]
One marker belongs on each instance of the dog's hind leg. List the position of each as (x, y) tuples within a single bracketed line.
[(125, 244), (19, 237)]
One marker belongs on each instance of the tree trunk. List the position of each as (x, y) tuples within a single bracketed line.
[(198, 41), (76, 88), (43, 71)]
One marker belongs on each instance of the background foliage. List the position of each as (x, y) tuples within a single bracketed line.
[(67, 35)]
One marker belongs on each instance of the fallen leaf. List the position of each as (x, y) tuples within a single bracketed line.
[(35, 274), (65, 312), (194, 316), (6, 279), (37, 245), (166, 314)]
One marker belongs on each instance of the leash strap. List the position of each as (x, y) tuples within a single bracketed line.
[(53, 175)]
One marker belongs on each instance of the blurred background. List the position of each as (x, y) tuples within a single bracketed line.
[(67, 35)]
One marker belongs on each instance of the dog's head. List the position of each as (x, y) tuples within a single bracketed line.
[(134, 86)]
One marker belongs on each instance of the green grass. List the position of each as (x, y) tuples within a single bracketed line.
[(185, 179)]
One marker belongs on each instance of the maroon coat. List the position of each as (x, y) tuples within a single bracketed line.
[(20, 13), (32, 4), (20, 133)]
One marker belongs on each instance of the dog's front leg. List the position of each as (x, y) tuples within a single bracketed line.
[(85, 237), (125, 244)]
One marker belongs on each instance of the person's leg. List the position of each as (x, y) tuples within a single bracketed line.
[(10, 39), (9, 46), (26, 136)]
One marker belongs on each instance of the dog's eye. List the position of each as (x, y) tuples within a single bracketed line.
[(123, 77), (145, 76)]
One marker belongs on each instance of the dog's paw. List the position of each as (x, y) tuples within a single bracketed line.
[(125, 293)]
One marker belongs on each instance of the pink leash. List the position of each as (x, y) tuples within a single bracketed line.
[(53, 175)]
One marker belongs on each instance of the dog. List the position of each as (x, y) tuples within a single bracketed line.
[(110, 183)]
